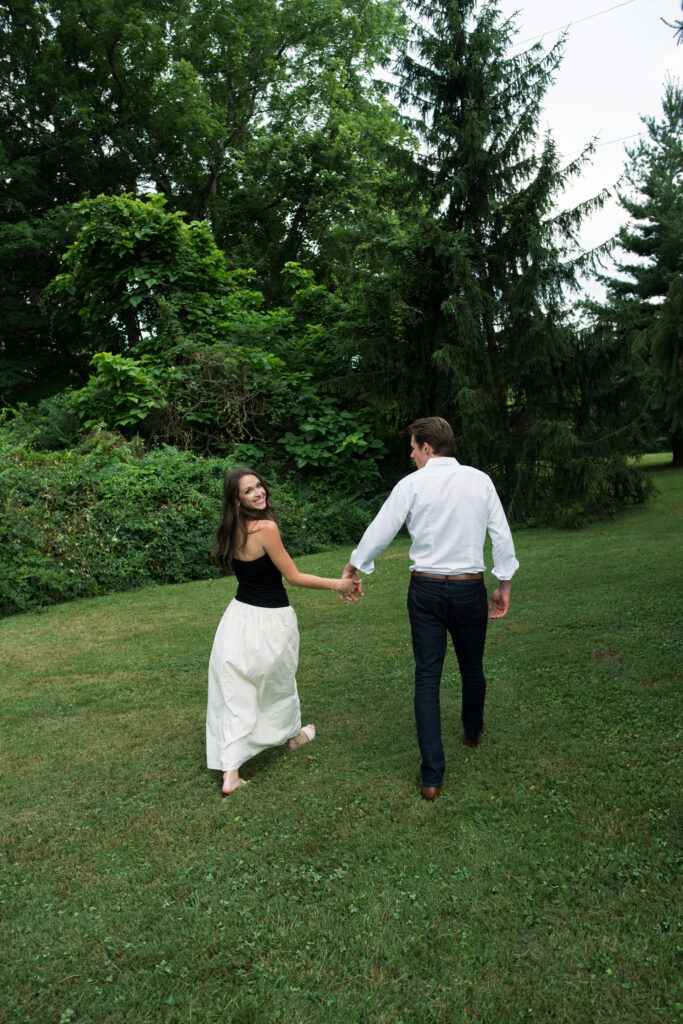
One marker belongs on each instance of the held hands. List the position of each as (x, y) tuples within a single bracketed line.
[(351, 586), (347, 589)]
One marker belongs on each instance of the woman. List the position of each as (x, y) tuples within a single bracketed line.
[(253, 699)]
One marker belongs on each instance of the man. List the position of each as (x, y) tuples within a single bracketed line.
[(448, 509)]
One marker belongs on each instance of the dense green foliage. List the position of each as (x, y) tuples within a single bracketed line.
[(207, 367), (106, 516), (261, 116), (278, 232)]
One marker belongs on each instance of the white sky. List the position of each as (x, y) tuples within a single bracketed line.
[(614, 70)]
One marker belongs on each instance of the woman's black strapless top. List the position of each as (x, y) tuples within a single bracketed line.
[(259, 583)]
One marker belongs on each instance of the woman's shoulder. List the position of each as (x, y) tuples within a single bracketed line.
[(266, 526), (261, 534)]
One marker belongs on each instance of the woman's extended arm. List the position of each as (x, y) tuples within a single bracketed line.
[(269, 535)]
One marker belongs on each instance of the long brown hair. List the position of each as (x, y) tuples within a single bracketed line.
[(231, 533)]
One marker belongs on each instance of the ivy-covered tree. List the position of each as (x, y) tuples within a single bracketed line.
[(471, 320), (642, 298)]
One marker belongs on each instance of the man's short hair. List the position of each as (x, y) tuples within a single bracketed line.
[(435, 431)]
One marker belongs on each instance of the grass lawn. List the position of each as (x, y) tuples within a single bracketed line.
[(541, 886), (655, 459)]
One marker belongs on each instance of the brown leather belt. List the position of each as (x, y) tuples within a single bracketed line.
[(460, 576)]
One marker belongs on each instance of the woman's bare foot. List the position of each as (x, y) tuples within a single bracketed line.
[(306, 735), (232, 781)]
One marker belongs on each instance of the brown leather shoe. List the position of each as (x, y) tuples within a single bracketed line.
[(429, 792), (474, 743)]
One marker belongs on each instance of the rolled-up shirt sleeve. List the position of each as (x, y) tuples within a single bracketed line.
[(381, 530), (505, 564)]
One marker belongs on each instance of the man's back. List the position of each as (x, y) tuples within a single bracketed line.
[(448, 509)]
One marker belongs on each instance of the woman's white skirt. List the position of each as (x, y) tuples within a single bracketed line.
[(253, 699)]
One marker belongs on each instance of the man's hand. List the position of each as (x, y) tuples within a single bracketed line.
[(351, 573), (500, 600)]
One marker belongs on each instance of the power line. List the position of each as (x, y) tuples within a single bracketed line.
[(611, 142), (624, 138), (577, 21)]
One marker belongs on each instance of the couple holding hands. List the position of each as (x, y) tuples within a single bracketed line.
[(253, 701)]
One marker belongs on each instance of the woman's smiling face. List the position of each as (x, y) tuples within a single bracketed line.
[(252, 493)]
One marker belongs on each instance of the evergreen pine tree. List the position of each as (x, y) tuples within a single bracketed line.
[(641, 301), (484, 337), (664, 344)]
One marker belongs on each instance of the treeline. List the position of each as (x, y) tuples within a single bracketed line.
[(275, 233)]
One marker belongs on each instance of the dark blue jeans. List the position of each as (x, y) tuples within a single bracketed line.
[(438, 608)]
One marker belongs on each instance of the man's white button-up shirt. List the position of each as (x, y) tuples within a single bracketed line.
[(448, 509)]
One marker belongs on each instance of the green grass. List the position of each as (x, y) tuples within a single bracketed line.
[(541, 886), (655, 459)]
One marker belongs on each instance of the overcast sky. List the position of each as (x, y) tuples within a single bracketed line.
[(614, 69)]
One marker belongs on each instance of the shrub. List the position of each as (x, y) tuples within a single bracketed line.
[(52, 424), (109, 516)]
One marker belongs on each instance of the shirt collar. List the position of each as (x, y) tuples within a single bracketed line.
[(442, 461)]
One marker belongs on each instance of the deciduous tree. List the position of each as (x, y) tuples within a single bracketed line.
[(261, 116), (191, 355)]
